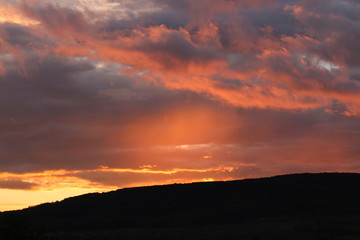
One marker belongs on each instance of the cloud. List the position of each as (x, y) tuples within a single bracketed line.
[(61, 22), (262, 87), (12, 15), (299, 59), (74, 113), (105, 178), (14, 184)]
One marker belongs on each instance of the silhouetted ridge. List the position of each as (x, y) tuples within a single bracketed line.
[(297, 196)]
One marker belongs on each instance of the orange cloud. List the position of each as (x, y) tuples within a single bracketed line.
[(67, 179), (13, 15), (198, 76), (199, 55)]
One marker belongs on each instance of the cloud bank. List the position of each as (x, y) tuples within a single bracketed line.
[(190, 90)]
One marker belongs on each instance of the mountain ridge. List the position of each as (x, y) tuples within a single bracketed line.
[(184, 184), (259, 202)]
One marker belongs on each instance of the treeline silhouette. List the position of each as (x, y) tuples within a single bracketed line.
[(298, 206)]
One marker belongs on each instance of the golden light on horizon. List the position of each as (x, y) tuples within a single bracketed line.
[(208, 179), (55, 185)]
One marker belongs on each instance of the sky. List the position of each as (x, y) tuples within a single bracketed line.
[(97, 95)]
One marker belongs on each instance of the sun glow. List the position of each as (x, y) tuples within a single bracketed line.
[(11, 15), (61, 179), (53, 185), (208, 180)]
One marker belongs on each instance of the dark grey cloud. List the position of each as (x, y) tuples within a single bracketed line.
[(20, 36), (64, 112), (176, 48), (280, 20), (139, 179), (60, 20), (18, 185), (171, 18)]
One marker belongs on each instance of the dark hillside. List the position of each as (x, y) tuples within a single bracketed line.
[(297, 204)]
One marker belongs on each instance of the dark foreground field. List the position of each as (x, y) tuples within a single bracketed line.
[(300, 206)]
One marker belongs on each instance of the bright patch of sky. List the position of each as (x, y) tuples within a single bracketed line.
[(316, 61), (118, 9)]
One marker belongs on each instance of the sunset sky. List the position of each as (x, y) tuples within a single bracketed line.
[(97, 95)]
